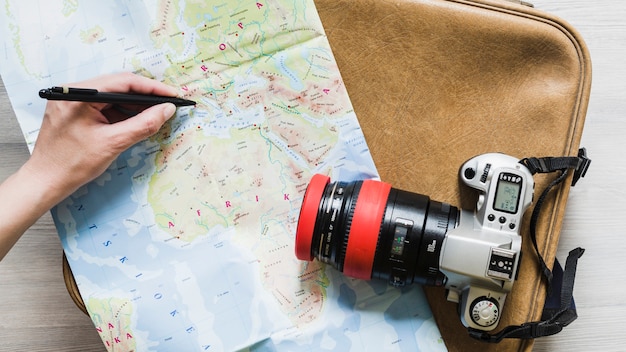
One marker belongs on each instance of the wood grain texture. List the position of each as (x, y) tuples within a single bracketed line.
[(36, 313)]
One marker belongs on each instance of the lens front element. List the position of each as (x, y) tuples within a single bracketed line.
[(308, 216)]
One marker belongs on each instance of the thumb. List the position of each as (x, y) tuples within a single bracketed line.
[(141, 126)]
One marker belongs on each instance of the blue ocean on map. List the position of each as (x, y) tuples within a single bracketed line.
[(102, 219)]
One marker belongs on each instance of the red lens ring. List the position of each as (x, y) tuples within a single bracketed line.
[(363, 237), (308, 216)]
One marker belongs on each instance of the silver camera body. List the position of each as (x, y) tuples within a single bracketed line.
[(481, 255)]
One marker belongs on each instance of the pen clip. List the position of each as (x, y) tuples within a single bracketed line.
[(68, 90)]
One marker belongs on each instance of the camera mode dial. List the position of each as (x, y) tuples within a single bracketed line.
[(485, 311)]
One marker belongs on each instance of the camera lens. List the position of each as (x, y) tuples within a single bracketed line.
[(367, 229)]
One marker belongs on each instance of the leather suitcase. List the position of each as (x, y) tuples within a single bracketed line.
[(436, 82)]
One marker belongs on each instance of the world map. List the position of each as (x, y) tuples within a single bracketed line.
[(186, 242)]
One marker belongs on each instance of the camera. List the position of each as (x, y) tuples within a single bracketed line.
[(369, 230)]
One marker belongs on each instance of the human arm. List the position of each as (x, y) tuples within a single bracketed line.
[(76, 144)]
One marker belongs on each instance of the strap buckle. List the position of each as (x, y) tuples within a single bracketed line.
[(583, 165)]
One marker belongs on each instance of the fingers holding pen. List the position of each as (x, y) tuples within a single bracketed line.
[(139, 127), (147, 122), (77, 141)]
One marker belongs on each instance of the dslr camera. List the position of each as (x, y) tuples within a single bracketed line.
[(367, 229)]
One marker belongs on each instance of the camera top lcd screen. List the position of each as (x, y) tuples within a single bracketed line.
[(507, 196)]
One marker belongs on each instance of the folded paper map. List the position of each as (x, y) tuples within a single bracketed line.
[(186, 242)]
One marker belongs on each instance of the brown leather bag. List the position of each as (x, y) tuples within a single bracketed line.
[(436, 82)]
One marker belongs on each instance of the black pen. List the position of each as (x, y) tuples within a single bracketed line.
[(94, 96)]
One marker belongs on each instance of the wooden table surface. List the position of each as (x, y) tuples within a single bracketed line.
[(36, 313)]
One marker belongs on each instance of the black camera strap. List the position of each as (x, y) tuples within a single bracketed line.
[(559, 310)]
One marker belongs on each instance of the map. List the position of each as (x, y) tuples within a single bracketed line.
[(186, 242)]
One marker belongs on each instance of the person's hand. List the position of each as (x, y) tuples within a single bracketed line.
[(77, 141)]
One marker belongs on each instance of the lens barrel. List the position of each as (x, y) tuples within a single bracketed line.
[(367, 229)]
